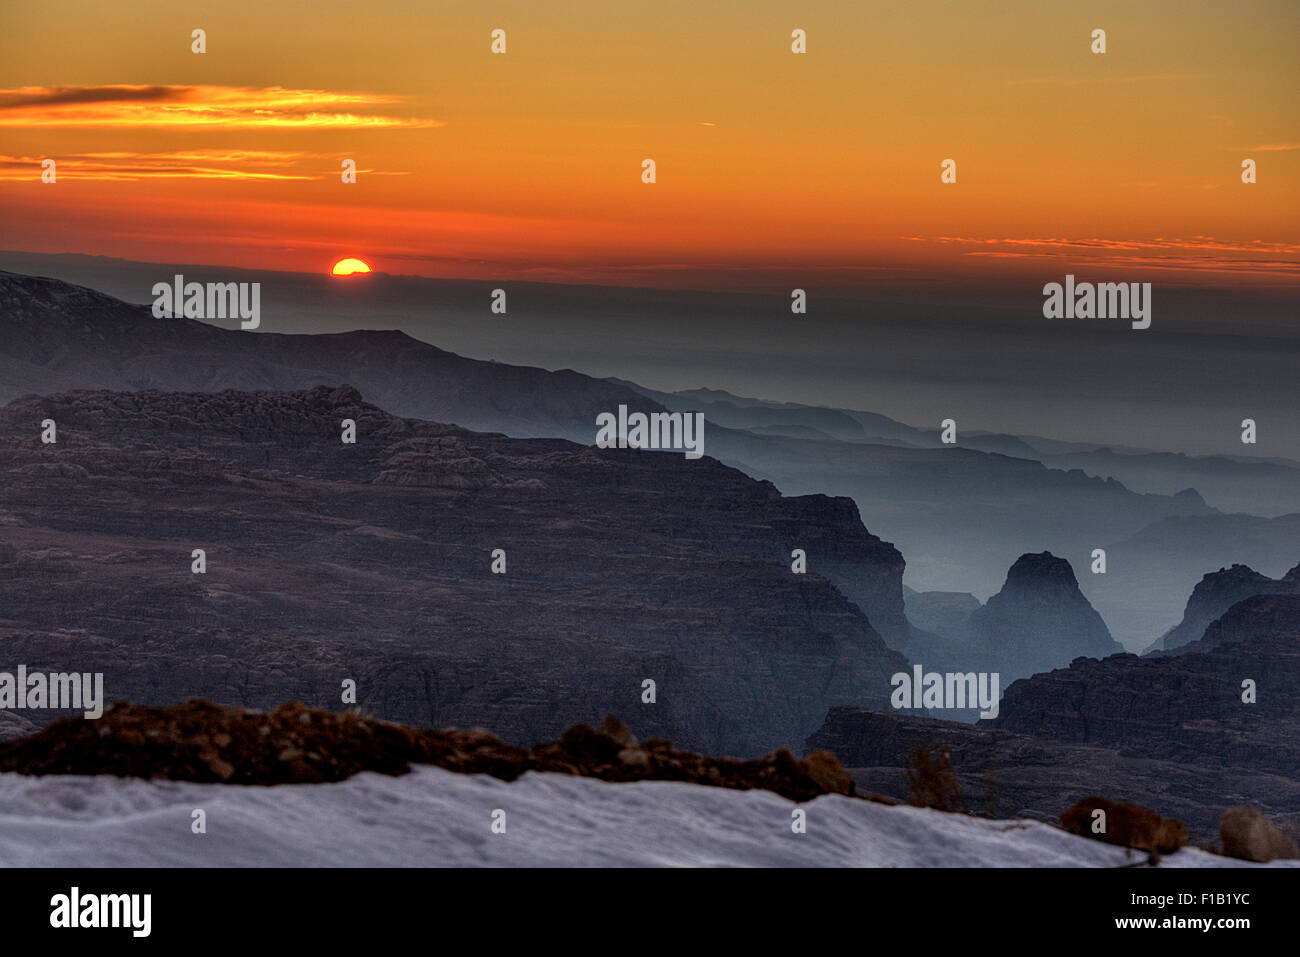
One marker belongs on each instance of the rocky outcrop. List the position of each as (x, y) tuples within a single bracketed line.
[(372, 562), (1190, 706), (1190, 733), (1038, 621), (1128, 825), (1215, 594), (200, 741), (1247, 834), (1263, 622)]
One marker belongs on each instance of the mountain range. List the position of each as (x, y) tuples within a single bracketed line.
[(471, 559), (960, 515), (374, 562)]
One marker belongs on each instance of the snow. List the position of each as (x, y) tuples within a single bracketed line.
[(433, 817)]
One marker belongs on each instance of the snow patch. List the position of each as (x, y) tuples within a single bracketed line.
[(434, 818)]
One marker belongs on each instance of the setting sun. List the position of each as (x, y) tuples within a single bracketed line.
[(348, 267)]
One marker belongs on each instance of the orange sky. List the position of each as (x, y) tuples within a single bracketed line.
[(527, 165)]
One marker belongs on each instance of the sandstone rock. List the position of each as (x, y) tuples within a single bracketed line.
[(1129, 825), (826, 772), (616, 729), (634, 757), (1247, 834)]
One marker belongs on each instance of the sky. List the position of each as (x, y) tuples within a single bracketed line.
[(773, 168)]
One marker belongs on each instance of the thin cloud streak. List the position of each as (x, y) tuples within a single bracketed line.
[(200, 107), (122, 166), (1201, 243)]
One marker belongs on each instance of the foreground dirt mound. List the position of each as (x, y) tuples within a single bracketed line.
[(1129, 825), (201, 741)]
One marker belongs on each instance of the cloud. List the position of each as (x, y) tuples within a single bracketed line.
[(1197, 243), (1196, 253), (69, 95), (122, 166), (201, 107)]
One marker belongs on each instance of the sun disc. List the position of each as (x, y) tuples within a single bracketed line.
[(349, 267)]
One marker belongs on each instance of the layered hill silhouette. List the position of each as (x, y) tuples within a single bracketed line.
[(959, 514), (58, 337), (1038, 621), (1251, 484), (1215, 594), (372, 562)]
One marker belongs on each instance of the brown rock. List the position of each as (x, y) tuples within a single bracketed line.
[(224, 770), (616, 729), (826, 772), (1129, 825), (198, 741), (1248, 835), (634, 757)]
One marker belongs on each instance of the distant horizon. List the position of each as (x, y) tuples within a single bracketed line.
[(1001, 283), (581, 326)]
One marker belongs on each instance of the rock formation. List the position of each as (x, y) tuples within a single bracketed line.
[(1192, 733), (1215, 594), (1038, 621), (1129, 825), (1247, 834), (372, 562)]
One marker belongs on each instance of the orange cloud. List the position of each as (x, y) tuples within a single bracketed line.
[(200, 107), (1195, 243), (130, 167), (1205, 254)]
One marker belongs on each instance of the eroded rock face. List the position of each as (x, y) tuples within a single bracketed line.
[(1215, 594), (1187, 706), (372, 562), (1171, 731), (1038, 621), (200, 741)]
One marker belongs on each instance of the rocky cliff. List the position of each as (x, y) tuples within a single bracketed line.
[(1038, 621), (1215, 594), (1174, 731), (373, 562), (1187, 707)]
